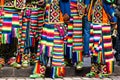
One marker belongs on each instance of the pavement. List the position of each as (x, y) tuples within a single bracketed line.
[(9, 73), (64, 78)]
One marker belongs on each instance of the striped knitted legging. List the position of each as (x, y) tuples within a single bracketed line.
[(100, 42), (58, 68), (77, 33)]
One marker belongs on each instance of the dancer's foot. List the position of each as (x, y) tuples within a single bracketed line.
[(91, 74), (36, 76), (15, 65), (79, 65), (103, 75)]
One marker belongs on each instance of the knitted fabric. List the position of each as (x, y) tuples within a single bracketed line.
[(108, 54), (58, 49), (77, 28), (100, 41), (10, 24), (47, 38), (58, 72), (52, 12), (58, 55), (69, 41), (41, 12)]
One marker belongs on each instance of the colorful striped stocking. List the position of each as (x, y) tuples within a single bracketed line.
[(77, 31), (58, 55), (41, 12), (108, 54)]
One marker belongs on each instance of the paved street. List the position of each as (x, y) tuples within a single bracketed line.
[(65, 78)]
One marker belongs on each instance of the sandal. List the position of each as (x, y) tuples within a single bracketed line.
[(36, 76), (91, 74), (15, 65), (79, 66), (94, 70), (103, 75)]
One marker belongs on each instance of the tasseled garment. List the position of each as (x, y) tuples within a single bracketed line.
[(58, 54), (10, 24), (77, 12), (100, 40), (51, 39)]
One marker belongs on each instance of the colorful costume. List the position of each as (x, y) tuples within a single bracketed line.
[(74, 47), (52, 45), (100, 38), (11, 24)]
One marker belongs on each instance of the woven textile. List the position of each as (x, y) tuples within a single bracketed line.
[(76, 19), (97, 17), (10, 24), (58, 72), (47, 38), (19, 4), (54, 12), (100, 41), (58, 54), (9, 3), (81, 7), (108, 54), (58, 49)]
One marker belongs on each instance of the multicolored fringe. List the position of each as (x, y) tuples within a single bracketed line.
[(77, 30), (58, 54), (47, 38), (58, 49), (108, 54), (58, 72), (100, 41), (69, 42), (102, 48), (39, 69), (10, 22)]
